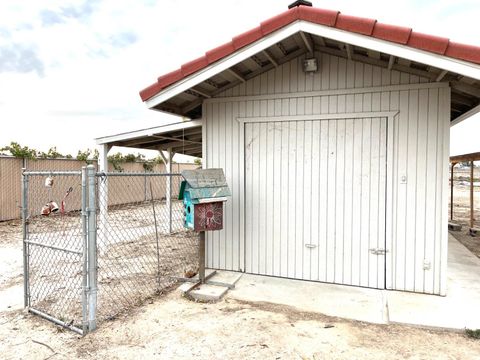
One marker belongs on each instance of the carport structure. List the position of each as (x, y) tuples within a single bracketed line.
[(184, 137), (333, 132)]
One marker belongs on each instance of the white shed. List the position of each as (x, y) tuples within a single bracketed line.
[(338, 174)]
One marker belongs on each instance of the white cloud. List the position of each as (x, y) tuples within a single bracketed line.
[(97, 55)]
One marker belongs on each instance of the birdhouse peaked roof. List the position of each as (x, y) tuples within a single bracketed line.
[(205, 183), (444, 55)]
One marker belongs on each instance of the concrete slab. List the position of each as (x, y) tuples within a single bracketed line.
[(217, 285), (225, 278), (186, 287), (208, 293), (458, 310), (334, 300)]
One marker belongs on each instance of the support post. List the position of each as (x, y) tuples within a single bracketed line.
[(145, 193), (168, 191), (471, 195), (169, 188), (92, 250), (26, 272), (451, 191), (103, 192), (201, 257), (85, 279)]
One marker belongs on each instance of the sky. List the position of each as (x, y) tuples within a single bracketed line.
[(71, 70)]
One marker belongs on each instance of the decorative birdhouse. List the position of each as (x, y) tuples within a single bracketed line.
[(203, 193)]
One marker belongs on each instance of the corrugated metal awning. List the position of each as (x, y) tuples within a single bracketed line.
[(182, 138)]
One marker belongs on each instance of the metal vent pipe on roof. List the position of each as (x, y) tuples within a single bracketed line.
[(298, 3)]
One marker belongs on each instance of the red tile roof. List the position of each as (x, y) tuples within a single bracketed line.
[(364, 26)]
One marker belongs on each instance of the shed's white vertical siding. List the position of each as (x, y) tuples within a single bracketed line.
[(416, 221)]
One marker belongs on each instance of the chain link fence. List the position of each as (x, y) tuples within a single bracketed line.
[(142, 244), (110, 242)]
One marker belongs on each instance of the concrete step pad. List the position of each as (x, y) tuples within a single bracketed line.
[(454, 226), (207, 293)]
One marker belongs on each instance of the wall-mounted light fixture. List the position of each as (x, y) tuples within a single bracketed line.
[(310, 65)]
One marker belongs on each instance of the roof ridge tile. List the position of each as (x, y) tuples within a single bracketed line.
[(170, 78), (463, 52), (220, 52), (318, 16), (247, 37), (394, 33), (270, 25), (355, 24), (194, 65), (431, 43)]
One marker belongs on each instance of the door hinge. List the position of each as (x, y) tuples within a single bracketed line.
[(376, 251)]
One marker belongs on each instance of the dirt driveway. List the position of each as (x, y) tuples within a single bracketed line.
[(173, 327)]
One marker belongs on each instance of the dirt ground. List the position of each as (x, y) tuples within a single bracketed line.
[(173, 327)]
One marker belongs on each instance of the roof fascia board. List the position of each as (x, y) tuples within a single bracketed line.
[(399, 50), (465, 116), (147, 132), (223, 64)]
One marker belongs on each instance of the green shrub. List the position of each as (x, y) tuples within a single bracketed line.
[(474, 334)]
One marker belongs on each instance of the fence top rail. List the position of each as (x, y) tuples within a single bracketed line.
[(51, 173), (107, 174)]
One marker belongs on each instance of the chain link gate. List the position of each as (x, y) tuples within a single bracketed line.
[(116, 240), (54, 247)]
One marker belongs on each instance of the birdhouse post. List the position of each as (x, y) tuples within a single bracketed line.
[(203, 193)]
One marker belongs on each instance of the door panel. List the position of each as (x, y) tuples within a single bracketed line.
[(315, 200)]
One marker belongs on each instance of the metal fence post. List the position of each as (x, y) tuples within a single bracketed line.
[(145, 185), (85, 280), (169, 201), (26, 272), (92, 249), (103, 226)]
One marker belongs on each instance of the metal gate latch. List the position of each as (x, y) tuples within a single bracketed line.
[(376, 251)]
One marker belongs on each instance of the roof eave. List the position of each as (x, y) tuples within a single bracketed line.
[(399, 50)]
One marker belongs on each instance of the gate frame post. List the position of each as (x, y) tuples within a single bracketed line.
[(26, 272), (85, 280), (92, 249)]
